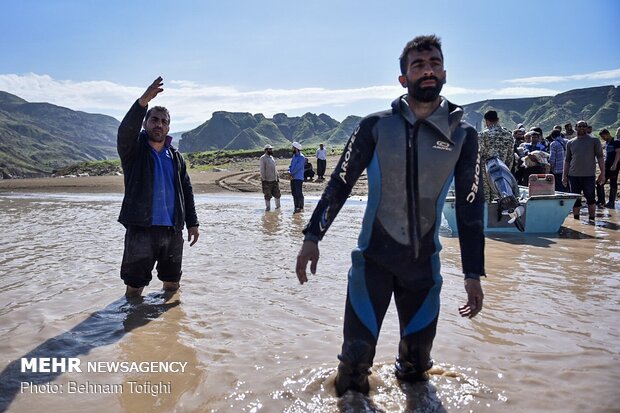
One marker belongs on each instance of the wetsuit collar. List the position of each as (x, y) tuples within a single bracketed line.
[(445, 118)]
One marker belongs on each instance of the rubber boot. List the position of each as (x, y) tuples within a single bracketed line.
[(267, 205), (354, 368), (413, 360), (277, 203)]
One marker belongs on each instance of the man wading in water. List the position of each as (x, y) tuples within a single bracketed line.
[(158, 197), (411, 153)]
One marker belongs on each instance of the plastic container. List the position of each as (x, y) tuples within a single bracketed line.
[(541, 184)]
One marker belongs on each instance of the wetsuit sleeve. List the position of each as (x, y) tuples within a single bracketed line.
[(129, 131), (470, 206), (356, 156)]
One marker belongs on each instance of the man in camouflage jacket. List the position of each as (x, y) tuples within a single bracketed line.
[(494, 141)]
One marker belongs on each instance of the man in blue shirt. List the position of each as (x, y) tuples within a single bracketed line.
[(296, 169), (159, 199)]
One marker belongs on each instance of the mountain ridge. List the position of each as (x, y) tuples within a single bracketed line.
[(38, 138)]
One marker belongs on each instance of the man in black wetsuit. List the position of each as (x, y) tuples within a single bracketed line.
[(411, 152)]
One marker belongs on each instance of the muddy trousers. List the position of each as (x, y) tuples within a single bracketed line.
[(370, 290)]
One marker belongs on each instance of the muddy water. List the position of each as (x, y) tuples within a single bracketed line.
[(253, 340)]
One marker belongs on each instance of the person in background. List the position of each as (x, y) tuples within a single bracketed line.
[(580, 168), (569, 132), (296, 171), (534, 157), (518, 153), (612, 161), (398, 248), (557, 150), (549, 138), (159, 199), (269, 178), (494, 141), (308, 171), (541, 145), (321, 162)]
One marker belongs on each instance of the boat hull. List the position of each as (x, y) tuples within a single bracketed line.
[(544, 214)]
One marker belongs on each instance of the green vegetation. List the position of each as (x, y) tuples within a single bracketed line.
[(94, 168), (204, 161), (210, 159)]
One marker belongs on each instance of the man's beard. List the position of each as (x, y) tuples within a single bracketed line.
[(425, 94), (157, 137)]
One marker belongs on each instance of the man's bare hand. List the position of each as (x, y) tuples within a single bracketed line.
[(192, 235), (474, 298), (309, 252), (153, 90)]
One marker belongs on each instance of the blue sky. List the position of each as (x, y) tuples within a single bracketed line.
[(270, 56)]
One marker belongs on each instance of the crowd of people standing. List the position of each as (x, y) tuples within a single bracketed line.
[(572, 156)]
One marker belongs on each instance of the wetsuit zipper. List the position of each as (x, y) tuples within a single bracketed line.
[(412, 189)]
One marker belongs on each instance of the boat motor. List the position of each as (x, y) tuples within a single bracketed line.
[(505, 188)]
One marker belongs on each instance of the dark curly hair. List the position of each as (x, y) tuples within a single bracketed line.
[(419, 43)]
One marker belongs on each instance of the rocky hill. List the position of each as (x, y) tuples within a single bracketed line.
[(228, 131), (599, 106), (37, 138)]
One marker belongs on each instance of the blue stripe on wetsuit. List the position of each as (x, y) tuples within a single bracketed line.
[(358, 290), (429, 309)]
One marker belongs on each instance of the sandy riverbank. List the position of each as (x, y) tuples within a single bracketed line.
[(238, 177)]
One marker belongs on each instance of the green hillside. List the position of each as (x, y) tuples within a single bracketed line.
[(599, 106), (37, 138), (226, 130)]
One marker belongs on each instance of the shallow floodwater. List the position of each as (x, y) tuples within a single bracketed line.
[(251, 339)]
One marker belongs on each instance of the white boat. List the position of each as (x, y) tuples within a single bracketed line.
[(543, 214)]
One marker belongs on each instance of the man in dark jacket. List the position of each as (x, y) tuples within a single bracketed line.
[(159, 199), (411, 153)]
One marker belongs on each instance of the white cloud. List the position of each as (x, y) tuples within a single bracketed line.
[(191, 103), (612, 75)]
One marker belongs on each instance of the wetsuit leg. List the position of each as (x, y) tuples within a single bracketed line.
[(368, 297), (418, 312)]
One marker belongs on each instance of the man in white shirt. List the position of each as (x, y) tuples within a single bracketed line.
[(321, 162)]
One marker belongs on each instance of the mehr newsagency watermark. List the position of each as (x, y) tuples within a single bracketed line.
[(57, 365)]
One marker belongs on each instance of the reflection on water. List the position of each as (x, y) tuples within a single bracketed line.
[(101, 328), (255, 340)]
